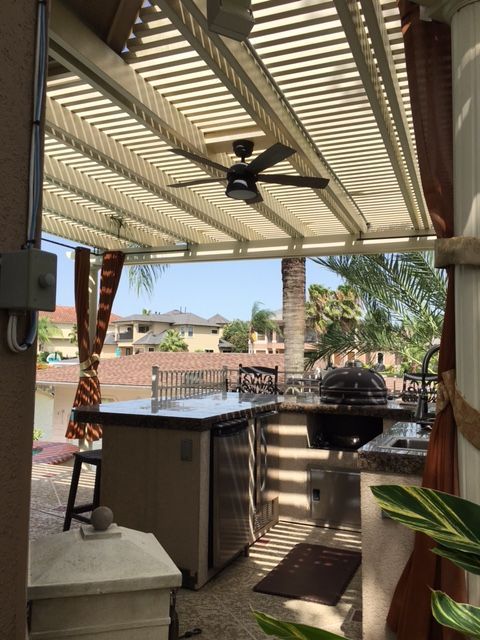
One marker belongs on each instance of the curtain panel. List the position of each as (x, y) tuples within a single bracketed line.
[(88, 390), (428, 57)]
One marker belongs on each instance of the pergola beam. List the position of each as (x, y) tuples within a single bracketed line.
[(351, 19), (108, 223), (61, 175), (372, 12), (76, 133), (240, 70), (76, 47), (373, 243), (55, 223)]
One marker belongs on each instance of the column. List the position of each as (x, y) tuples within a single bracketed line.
[(17, 49), (464, 18)]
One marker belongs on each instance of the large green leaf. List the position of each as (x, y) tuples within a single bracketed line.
[(292, 630), (461, 617), (450, 521), (468, 561)]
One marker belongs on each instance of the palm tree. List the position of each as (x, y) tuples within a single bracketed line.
[(261, 321), (45, 332), (73, 334), (173, 341), (293, 279), (403, 301), (326, 305), (143, 277)]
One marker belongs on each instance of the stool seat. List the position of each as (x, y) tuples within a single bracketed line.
[(74, 512)]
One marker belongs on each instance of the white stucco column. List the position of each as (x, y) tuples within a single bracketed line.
[(464, 18)]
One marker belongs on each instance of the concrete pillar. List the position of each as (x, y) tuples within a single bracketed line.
[(17, 47), (464, 18)]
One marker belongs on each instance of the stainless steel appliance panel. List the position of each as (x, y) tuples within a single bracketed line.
[(230, 525), (335, 498)]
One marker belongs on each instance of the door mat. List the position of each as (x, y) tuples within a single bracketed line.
[(312, 572)]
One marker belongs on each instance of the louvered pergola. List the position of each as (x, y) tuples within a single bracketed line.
[(326, 77)]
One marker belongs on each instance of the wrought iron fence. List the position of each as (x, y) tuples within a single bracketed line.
[(170, 385)]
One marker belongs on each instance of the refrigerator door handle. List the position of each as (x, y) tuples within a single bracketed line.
[(264, 464)]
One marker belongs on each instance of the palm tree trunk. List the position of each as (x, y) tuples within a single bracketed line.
[(293, 278)]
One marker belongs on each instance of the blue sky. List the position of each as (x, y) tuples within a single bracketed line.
[(229, 288)]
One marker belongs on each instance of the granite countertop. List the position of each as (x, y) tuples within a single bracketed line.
[(375, 456), (198, 413), (392, 409)]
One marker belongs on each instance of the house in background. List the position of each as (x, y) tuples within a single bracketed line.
[(64, 331), (144, 333)]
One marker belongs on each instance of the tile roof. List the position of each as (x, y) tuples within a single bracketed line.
[(219, 319), (174, 317), (151, 338), (67, 315), (137, 369)]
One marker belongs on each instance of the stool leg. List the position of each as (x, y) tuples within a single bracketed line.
[(96, 490), (72, 494)]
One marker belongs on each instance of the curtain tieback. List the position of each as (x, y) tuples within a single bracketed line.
[(86, 367), (466, 416)]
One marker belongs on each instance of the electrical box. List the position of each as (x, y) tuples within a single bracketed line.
[(231, 18), (28, 280)]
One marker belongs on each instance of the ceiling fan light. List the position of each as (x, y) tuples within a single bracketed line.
[(239, 189)]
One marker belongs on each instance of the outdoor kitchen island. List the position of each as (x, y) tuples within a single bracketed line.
[(184, 470)]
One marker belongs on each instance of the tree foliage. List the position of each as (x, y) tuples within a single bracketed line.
[(261, 320), (143, 277), (402, 297), (173, 341), (326, 306), (236, 332), (45, 331)]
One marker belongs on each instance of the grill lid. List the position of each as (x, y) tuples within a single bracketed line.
[(351, 385)]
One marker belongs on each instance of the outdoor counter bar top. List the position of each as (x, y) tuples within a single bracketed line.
[(377, 457), (202, 412), (393, 410), (199, 413)]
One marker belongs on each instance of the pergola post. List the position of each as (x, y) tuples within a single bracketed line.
[(464, 18)]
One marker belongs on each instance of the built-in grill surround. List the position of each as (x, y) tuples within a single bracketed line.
[(354, 386)]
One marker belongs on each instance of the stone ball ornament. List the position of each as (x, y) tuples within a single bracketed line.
[(102, 518)]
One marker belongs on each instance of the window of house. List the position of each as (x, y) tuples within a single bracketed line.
[(143, 328), (190, 331), (128, 351), (186, 330), (214, 330), (260, 337), (151, 348), (208, 350)]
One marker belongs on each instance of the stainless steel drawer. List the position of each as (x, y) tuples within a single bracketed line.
[(335, 498)]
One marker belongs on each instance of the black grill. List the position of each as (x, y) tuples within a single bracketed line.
[(352, 385)]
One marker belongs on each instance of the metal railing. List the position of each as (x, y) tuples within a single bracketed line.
[(171, 385)]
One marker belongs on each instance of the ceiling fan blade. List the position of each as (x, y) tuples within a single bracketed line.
[(258, 198), (195, 158), (274, 154), (191, 183), (294, 181)]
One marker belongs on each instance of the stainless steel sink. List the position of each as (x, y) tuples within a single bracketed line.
[(408, 443)]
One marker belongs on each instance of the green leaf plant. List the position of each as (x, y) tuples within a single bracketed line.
[(453, 524)]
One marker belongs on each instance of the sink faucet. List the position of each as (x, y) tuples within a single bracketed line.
[(421, 412)]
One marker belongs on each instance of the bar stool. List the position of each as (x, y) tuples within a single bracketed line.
[(93, 457)]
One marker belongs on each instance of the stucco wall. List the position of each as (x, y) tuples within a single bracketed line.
[(386, 547), (17, 36), (63, 401)]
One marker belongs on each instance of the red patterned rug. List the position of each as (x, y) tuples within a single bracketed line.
[(53, 452)]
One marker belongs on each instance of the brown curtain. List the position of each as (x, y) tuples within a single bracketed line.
[(427, 48), (88, 390)]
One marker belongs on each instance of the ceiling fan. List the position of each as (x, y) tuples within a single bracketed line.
[(241, 178)]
